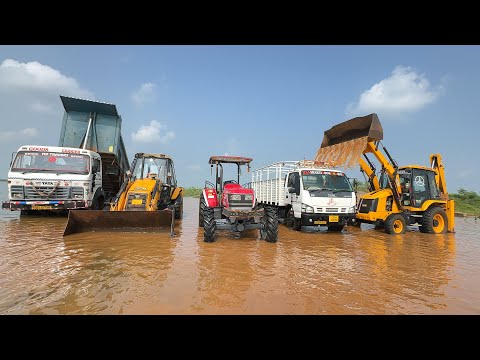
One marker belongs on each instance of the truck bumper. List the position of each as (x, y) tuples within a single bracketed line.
[(325, 219), (43, 205)]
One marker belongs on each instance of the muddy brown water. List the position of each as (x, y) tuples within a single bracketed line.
[(363, 271)]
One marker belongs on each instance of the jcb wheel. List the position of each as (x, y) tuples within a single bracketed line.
[(209, 225), (270, 223), (201, 209), (395, 224), (179, 207), (434, 221)]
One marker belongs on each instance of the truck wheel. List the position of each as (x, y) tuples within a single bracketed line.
[(395, 224), (292, 222), (209, 225), (201, 209), (179, 207), (434, 221), (270, 223), (95, 205)]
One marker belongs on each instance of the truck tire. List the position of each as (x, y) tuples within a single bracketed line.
[(178, 207), (201, 209), (395, 224), (292, 222), (209, 225), (270, 223), (95, 205), (434, 221)]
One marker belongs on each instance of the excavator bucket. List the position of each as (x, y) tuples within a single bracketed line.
[(344, 143), (366, 126), (122, 221)]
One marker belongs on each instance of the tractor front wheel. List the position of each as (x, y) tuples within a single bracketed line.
[(201, 209), (209, 225)]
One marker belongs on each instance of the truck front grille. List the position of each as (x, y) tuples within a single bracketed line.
[(16, 192), (47, 192)]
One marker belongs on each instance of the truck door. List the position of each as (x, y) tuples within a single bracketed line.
[(294, 197)]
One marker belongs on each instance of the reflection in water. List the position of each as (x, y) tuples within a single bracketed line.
[(363, 271)]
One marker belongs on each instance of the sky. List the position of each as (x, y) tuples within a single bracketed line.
[(270, 103)]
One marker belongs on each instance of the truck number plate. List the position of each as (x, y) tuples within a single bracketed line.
[(319, 222), (137, 202), (42, 207), (333, 218)]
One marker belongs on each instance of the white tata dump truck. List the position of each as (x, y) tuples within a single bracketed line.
[(54, 178), (85, 170), (306, 193)]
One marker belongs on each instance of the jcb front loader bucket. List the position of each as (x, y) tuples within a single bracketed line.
[(359, 127), (122, 221)]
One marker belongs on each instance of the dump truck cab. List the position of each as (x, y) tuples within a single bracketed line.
[(52, 178)]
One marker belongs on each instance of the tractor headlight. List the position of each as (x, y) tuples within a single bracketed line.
[(307, 208)]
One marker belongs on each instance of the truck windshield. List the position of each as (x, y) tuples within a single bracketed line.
[(326, 181), (151, 167), (51, 162)]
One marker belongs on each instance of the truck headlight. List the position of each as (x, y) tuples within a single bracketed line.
[(352, 209), (307, 208), (236, 197), (248, 197)]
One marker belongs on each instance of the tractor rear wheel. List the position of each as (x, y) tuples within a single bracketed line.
[(434, 221), (270, 225), (395, 224), (201, 209), (209, 225)]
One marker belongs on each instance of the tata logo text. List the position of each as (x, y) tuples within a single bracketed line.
[(70, 151), (38, 148)]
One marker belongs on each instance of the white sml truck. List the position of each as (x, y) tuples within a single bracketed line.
[(306, 193), (54, 178)]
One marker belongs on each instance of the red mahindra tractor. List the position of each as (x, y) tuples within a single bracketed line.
[(229, 206)]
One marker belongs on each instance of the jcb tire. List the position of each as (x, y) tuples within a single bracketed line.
[(434, 221), (292, 222), (270, 223), (179, 207), (201, 209), (395, 224), (209, 225)]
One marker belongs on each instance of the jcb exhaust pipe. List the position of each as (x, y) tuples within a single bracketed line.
[(366, 126)]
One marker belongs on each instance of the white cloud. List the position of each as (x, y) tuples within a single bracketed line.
[(38, 78), (195, 167), (29, 100), (12, 135), (464, 173), (153, 132), (404, 91), (145, 94)]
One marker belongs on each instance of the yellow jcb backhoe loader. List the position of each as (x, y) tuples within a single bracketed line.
[(149, 200), (401, 196)]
